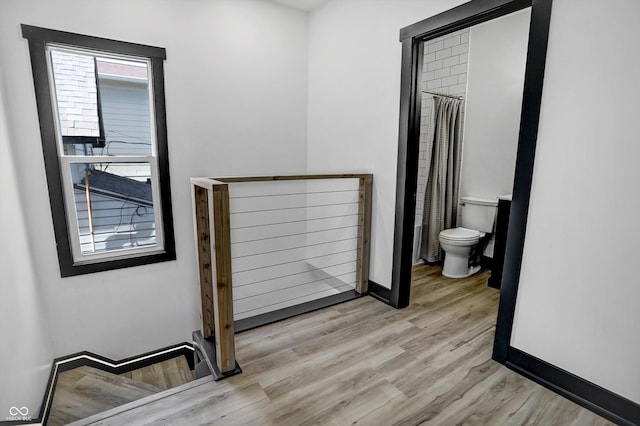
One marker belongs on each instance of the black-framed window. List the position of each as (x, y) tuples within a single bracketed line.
[(102, 121)]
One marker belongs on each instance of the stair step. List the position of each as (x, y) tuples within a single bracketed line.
[(104, 417), (85, 391), (164, 375)]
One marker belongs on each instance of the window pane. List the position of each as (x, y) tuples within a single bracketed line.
[(114, 206), (103, 104), (76, 98), (124, 98)]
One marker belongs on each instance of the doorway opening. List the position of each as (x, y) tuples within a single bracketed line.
[(471, 89), (413, 41)]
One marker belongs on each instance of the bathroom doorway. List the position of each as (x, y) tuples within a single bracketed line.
[(413, 38), (474, 76)]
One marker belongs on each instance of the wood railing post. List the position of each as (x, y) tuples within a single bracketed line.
[(212, 232), (223, 291), (364, 232), (204, 253)]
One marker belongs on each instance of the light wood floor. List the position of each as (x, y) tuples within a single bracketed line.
[(85, 391), (363, 362), (164, 375)]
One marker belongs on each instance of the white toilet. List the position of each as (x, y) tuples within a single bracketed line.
[(477, 217)]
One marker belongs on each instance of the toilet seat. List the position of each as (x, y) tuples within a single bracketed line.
[(461, 235)]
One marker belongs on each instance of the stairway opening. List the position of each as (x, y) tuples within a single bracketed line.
[(85, 391)]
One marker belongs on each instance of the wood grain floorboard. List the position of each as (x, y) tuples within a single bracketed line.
[(99, 417), (85, 391), (365, 363), (164, 375)]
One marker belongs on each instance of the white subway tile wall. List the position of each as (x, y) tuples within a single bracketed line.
[(445, 71)]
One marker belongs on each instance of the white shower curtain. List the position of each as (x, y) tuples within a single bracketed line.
[(443, 155)]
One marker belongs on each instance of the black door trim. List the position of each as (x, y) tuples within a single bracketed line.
[(412, 38), (463, 16), (602, 401)]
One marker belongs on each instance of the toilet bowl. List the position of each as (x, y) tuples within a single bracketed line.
[(477, 217), (457, 244)]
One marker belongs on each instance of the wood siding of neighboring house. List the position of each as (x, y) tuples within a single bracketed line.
[(116, 223), (125, 113)]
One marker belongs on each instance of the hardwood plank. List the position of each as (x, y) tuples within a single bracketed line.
[(437, 371), (164, 375), (324, 376), (198, 405), (508, 393), (85, 391), (277, 339), (366, 363), (355, 406), (102, 416)]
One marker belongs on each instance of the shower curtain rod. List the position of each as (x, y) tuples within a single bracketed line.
[(442, 94)]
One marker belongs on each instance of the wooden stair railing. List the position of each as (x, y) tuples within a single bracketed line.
[(211, 212), (215, 343)]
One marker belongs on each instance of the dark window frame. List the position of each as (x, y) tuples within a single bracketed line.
[(38, 38)]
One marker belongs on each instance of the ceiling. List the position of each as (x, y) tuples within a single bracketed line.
[(305, 5)]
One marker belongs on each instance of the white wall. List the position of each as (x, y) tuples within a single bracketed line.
[(497, 55), (236, 100), (354, 98), (576, 307), (578, 296), (26, 352), (236, 79)]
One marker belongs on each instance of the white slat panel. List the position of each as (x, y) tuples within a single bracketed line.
[(283, 243), (279, 230), (269, 259), (275, 271), (292, 242), (332, 223), (248, 189), (278, 300), (241, 220), (267, 231), (332, 185), (245, 204), (251, 248), (291, 281)]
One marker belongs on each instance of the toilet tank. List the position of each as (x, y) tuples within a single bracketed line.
[(478, 213)]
